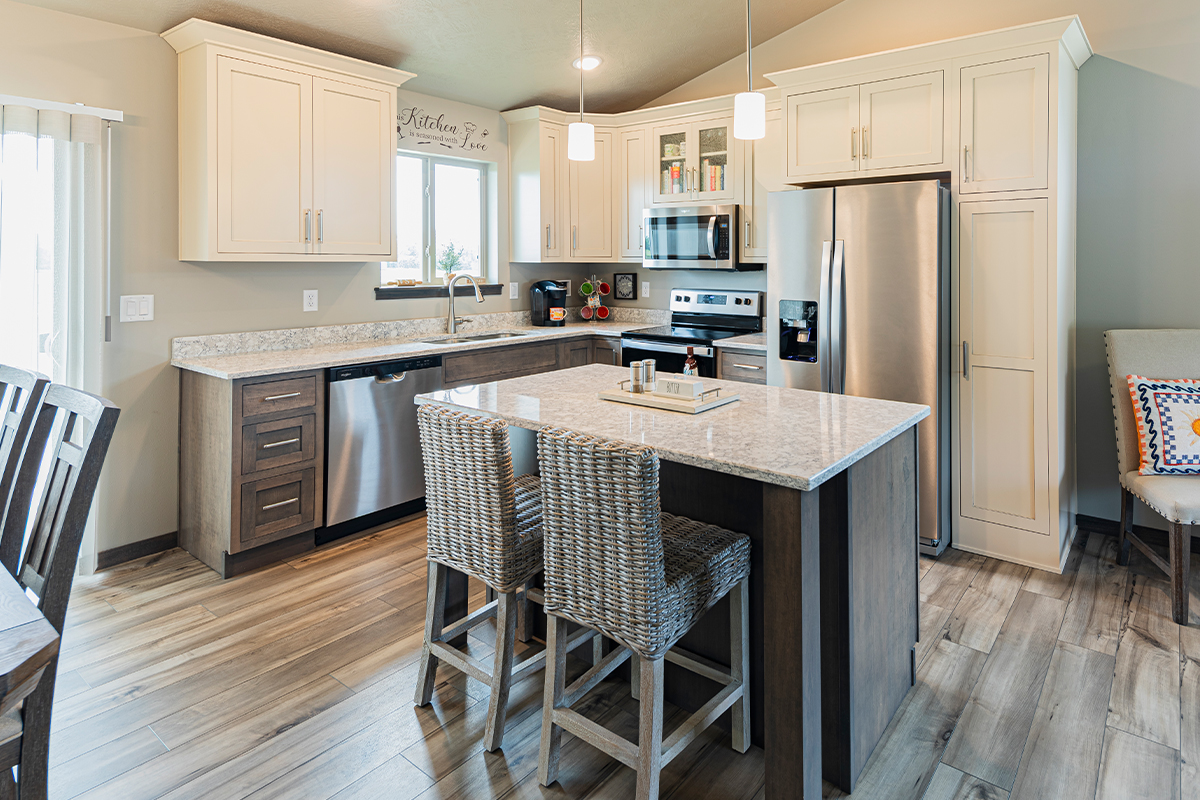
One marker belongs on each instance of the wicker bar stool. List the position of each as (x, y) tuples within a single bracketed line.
[(486, 523), (618, 565)]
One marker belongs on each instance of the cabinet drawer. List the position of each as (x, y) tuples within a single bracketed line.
[(259, 399), (273, 508), (500, 363), (278, 443), (743, 367)]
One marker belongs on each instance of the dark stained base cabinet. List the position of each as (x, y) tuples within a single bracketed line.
[(251, 467)]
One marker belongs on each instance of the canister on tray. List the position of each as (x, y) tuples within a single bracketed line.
[(637, 377), (649, 378)]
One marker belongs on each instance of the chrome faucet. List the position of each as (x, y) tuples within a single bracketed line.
[(451, 320)]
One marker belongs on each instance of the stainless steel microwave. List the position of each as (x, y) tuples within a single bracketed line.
[(690, 237)]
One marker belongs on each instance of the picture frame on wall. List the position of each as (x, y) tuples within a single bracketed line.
[(625, 286)]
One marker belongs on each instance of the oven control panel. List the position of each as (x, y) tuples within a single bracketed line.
[(716, 301)]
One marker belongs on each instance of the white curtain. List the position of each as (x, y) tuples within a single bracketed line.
[(51, 243)]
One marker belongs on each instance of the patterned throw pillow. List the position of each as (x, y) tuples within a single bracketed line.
[(1168, 421)]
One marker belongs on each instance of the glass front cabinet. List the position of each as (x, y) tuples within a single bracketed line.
[(695, 161)]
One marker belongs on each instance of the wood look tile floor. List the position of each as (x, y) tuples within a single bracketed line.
[(296, 681)]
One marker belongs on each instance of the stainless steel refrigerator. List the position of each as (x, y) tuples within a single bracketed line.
[(858, 303)]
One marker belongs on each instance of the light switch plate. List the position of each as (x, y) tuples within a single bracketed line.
[(137, 307), (513, 287), (310, 300), (645, 288)]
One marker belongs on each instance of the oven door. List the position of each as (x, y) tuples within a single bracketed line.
[(668, 358), (696, 237)]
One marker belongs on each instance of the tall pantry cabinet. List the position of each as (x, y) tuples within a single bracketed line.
[(995, 116), (286, 153)]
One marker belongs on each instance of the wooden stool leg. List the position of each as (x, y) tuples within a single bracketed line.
[(1126, 528), (435, 612), (650, 729), (556, 684), (739, 660), (635, 675), (1181, 572), (524, 620), (597, 649), (34, 770), (506, 630)]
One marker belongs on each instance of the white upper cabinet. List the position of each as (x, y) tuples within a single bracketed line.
[(855, 130), (822, 132), (901, 122), (1004, 109), (694, 161), (591, 203), (552, 160), (632, 188), (353, 156), (285, 153), (763, 168)]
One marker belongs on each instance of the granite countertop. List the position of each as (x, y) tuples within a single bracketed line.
[(788, 437), (750, 343), (271, 362)]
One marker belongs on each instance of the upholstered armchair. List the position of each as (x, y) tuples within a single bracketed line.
[(1163, 354)]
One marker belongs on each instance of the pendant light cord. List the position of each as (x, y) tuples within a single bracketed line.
[(581, 69), (749, 74)]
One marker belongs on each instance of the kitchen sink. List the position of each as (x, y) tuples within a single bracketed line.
[(478, 337)]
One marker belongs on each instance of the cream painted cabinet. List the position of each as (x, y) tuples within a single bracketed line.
[(762, 165), (632, 189), (694, 161), (854, 130), (285, 153), (1003, 401), (1005, 129), (552, 156), (591, 203)]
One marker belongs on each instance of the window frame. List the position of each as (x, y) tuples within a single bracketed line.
[(428, 250)]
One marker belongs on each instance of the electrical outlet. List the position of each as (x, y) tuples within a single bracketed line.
[(513, 290), (310, 300), (137, 307), (645, 288)]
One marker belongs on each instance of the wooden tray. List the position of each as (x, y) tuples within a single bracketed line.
[(651, 400)]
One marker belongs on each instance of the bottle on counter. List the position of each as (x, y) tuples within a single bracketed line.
[(690, 367)]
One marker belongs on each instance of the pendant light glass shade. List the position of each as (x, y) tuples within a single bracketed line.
[(749, 115), (581, 141)]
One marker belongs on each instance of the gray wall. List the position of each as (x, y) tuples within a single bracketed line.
[(1138, 239)]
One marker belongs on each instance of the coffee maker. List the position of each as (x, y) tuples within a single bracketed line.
[(548, 304)]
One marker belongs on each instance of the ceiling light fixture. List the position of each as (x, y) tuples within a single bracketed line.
[(749, 107), (589, 62), (581, 136)]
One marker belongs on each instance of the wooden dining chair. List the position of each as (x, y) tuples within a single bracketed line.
[(20, 393), (73, 429)]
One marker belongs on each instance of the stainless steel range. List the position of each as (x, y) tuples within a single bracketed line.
[(699, 318)]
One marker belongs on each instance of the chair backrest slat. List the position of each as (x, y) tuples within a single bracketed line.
[(20, 395), (48, 566)]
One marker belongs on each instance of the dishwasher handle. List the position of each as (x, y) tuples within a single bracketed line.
[(394, 377)]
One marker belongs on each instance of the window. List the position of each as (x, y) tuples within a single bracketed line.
[(441, 220)]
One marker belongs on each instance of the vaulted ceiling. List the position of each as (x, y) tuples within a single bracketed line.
[(496, 53)]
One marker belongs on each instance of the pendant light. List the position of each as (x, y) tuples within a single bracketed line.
[(749, 107), (581, 136)]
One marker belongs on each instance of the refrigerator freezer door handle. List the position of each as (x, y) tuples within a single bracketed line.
[(967, 360), (823, 315), (837, 321), (712, 236)]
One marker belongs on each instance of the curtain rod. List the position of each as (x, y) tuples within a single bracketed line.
[(109, 114)]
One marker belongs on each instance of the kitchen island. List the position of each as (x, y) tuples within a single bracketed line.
[(825, 486)]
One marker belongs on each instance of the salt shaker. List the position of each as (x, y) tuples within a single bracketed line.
[(637, 377)]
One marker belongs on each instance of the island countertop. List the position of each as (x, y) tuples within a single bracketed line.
[(787, 437)]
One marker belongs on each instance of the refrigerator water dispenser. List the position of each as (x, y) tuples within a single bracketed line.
[(798, 330)]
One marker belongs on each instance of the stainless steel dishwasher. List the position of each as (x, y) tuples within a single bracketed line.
[(373, 447)]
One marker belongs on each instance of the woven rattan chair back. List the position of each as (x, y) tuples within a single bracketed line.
[(603, 551), (470, 498), (20, 395)]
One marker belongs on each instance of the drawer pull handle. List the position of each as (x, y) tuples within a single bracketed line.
[(280, 396), (281, 444), (281, 503), (747, 366)]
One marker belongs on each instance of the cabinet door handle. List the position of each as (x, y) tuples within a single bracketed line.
[(865, 142), (280, 444), (966, 158), (747, 243), (547, 237), (641, 239), (853, 144), (320, 225), (269, 506), (967, 360), (574, 239), (280, 397), (748, 366), (307, 226)]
